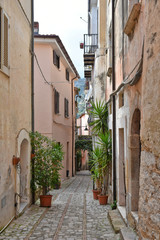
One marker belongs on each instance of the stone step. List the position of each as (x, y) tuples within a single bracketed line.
[(127, 233), (116, 220)]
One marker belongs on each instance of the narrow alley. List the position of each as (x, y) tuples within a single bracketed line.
[(73, 215)]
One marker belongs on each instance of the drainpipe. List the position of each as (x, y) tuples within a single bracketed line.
[(72, 125), (32, 90), (113, 106)]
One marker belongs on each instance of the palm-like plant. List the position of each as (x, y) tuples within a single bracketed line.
[(99, 113), (105, 143), (95, 164)]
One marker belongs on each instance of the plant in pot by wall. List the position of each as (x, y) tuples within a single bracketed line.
[(47, 164), (96, 171), (99, 113), (105, 163)]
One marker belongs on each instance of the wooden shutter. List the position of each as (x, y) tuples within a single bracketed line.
[(54, 58), (67, 75), (58, 62), (5, 50), (56, 102), (66, 109)]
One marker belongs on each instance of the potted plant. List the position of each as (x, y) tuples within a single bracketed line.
[(99, 113), (47, 164), (96, 171), (106, 146)]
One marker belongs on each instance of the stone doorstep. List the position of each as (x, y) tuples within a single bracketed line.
[(127, 233), (116, 220), (119, 226)]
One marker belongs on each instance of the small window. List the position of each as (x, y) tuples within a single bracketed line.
[(4, 64), (67, 75), (121, 99), (110, 108), (56, 59), (56, 102), (66, 108)]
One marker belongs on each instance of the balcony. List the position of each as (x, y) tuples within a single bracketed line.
[(90, 46)]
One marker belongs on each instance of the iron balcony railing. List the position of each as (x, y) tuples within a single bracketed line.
[(90, 43)]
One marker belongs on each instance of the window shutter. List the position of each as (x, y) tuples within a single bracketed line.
[(54, 57), (66, 109), (67, 75), (58, 62), (5, 50), (56, 102)]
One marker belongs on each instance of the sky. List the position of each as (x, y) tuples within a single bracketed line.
[(63, 18)]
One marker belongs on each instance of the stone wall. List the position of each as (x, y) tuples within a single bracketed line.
[(149, 204)]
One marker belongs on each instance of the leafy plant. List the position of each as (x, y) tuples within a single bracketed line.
[(99, 113), (47, 161), (104, 140), (95, 164), (114, 205)]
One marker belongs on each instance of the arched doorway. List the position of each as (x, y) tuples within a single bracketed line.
[(22, 189), (135, 159), (24, 170)]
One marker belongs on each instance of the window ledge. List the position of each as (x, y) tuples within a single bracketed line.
[(5, 71), (132, 19)]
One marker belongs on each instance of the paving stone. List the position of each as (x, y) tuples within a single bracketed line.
[(74, 215)]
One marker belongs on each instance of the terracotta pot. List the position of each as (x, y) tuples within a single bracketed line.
[(32, 155), (45, 200), (15, 160), (103, 199), (95, 194)]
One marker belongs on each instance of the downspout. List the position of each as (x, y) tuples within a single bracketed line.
[(32, 91), (72, 125), (113, 106)]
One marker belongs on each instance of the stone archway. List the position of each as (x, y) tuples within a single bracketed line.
[(23, 170), (135, 158)]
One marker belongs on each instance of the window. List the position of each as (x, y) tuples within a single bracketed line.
[(67, 75), (66, 108), (3, 41), (110, 108), (56, 102), (56, 59), (121, 99)]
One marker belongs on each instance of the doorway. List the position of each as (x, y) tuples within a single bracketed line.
[(135, 159)]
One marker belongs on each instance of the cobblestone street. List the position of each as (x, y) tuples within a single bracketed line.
[(73, 215)]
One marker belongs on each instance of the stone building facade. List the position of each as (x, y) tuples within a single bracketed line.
[(131, 73), (15, 107)]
